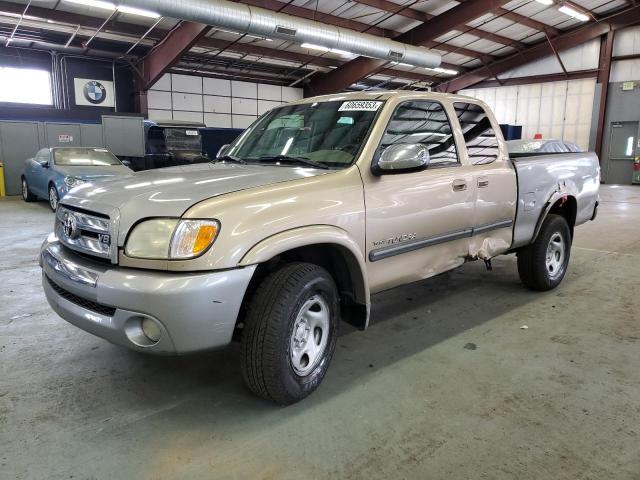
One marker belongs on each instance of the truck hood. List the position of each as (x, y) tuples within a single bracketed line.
[(169, 192)]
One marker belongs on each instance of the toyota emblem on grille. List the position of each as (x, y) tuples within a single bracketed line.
[(70, 226)]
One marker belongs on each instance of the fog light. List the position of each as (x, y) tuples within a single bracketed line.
[(151, 329)]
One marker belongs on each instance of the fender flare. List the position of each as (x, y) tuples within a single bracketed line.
[(307, 236), (557, 195)]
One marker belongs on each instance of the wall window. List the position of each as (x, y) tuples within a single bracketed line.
[(482, 144), (25, 85), (426, 123)]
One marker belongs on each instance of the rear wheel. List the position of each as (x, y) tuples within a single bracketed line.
[(543, 264), (27, 196), (53, 197), (290, 333)]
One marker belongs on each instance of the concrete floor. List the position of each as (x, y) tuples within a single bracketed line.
[(444, 384)]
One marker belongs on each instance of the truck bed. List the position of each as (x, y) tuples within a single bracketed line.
[(544, 178)]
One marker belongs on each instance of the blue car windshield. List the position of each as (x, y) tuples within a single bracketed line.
[(84, 157)]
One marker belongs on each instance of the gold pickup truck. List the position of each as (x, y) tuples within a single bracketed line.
[(314, 208)]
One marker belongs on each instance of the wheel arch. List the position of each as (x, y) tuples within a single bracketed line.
[(561, 204), (324, 245)]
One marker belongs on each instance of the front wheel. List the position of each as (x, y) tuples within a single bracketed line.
[(53, 197), (290, 333), (543, 264)]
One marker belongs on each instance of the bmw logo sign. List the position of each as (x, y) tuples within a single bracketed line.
[(94, 92)]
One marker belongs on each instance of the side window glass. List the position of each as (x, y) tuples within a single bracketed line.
[(481, 141), (426, 123)]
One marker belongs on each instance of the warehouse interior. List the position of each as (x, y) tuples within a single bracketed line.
[(460, 373)]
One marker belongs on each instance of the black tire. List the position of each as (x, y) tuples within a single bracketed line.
[(541, 265), (269, 338), (27, 196), (53, 197)]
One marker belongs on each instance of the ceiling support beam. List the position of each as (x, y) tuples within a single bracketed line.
[(542, 49), (413, 14), (169, 50), (553, 77), (424, 33), (606, 52)]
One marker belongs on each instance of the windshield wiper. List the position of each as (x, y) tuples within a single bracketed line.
[(230, 158), (288, 159)]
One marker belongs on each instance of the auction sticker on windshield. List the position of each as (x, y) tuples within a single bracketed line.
[(360, 106)]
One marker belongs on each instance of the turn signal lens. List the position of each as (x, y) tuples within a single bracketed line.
[(193, 237)]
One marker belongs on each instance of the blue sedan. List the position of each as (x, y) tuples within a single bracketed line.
[(54, 171)]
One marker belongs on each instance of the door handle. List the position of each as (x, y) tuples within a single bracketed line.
[(483, 182), (459, 185)]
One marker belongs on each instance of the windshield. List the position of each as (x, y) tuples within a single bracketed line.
[(326, 133), (91, 157), (182, 139)]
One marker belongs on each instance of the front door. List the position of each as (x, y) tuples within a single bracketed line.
[(419, 223), (622, 151)]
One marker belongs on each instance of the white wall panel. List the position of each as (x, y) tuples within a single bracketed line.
[(266, 105), (216, 86), (626, 41), (290, 94), (269, 92), (582, 57), (186, 83), (217, 104), (243, 121), (188, 116), (160, 115), (625, 70), (225, 103), (555, 109), (187, 101), (164, 83), (220, 120), (159, 99), (245, 106), (244, 89)]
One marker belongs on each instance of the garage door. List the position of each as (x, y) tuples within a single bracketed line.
[(18, 141)]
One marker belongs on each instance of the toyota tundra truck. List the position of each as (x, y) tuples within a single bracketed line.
[(309, 212)]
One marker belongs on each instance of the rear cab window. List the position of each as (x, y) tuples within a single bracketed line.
[(479, 136)]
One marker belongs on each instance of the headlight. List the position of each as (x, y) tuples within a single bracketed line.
[(72, 181), (170, 238)]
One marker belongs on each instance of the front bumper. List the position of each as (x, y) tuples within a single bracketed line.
[(194, 311)]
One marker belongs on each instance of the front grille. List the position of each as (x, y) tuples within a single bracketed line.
[(85, 232), (81, 302)]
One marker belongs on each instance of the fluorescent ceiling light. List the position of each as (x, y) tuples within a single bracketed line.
[(137, 11), (444, 70), (572, 12), (94, 3), (312, 46), (545, 2)]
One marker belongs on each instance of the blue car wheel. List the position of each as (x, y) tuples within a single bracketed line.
[(53, 197)]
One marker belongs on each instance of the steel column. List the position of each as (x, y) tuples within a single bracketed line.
[(604, 66)]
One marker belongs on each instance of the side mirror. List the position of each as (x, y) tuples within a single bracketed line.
[(402, 158), (44, 164), (126, 163), (223, 150)]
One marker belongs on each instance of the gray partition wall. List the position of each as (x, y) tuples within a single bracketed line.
[(20, 140)]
